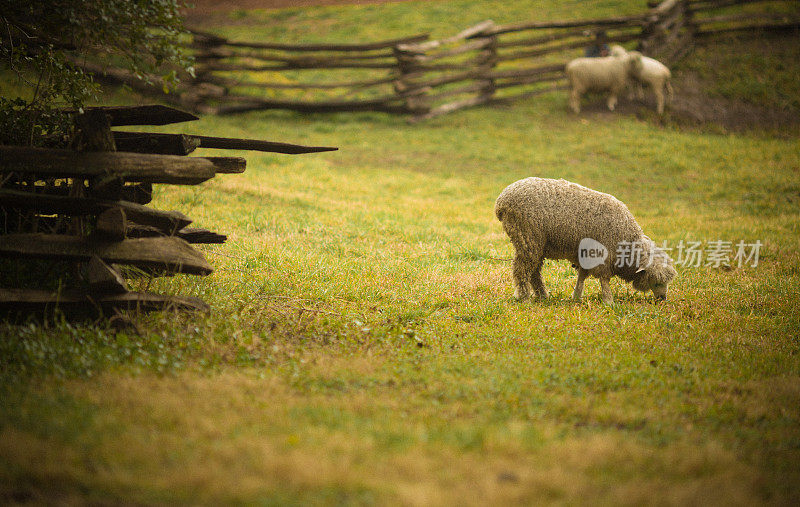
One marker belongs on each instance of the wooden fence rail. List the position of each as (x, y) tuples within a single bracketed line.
[(86, 207), (415, 75)]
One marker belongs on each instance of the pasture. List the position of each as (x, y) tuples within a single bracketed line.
[(364, 346)]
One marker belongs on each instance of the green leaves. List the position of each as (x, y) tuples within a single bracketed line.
[(40, 40)]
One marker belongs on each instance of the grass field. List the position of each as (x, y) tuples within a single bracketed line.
[(364, 346)]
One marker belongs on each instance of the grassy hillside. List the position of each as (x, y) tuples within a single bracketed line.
[(364, 346)]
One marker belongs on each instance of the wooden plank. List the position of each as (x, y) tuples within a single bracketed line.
[(103, 279), (768, 26), (228, 143), (600, 22), (465, 48), (71, 301), (663, 8), (195, 235), (168, 221), (154, 114), (368, 46), (218, 53), (750, 16), (222, 81), (529, 71), (485, 57), (93, 132), (163, 144), (137, 167), (255, 104), (522, 55), (184, 96), (111, 225), (228, 165), (188, 234), (106, 187), (222, 143), (140, 193), (168, 254), (477, 86), (476, 73), (481, 29), (454, 106), (721, 4), (521, 81), (542, 39), (320, 64)]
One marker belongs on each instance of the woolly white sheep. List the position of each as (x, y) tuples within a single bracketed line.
[(607, 73), (557, 219), (649, 72)]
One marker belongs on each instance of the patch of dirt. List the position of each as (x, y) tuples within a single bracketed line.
[(691, 106), (694, 107)]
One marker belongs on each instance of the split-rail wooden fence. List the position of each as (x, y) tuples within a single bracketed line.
[(486, 63), (86, 208)]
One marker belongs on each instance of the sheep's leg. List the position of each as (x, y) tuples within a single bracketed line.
[(640, 91), (660, 98), (575, 100), (632, 87), (538, 282), (605, 288), (521, 273), (612, 101), (576, 295)]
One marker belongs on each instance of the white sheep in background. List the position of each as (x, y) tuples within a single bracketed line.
[(556, 219), (650, 72), (606, 73)]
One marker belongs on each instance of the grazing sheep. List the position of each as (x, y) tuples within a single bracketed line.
[(606, 73), (557, 219), (651, 72)]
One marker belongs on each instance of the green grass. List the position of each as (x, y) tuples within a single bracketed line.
[(364, 346)]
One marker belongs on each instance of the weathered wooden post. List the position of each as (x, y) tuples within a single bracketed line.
[(489, 62), (413, 96)]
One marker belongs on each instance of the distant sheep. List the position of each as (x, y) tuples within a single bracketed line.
[(607, 73), (651, 72), (556, 219)]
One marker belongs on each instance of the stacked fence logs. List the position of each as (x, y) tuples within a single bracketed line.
[(491, 63), (81, 214), (483, 64), (273, 76)]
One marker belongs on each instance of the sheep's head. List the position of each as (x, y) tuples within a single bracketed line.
[(635, 63), (618, 51), (657, 271)]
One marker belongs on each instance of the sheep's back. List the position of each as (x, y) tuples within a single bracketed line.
[(652, 68), (564, 213), (602, 72)]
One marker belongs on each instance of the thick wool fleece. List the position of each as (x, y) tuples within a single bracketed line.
[(547, 219), (608, 73)]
